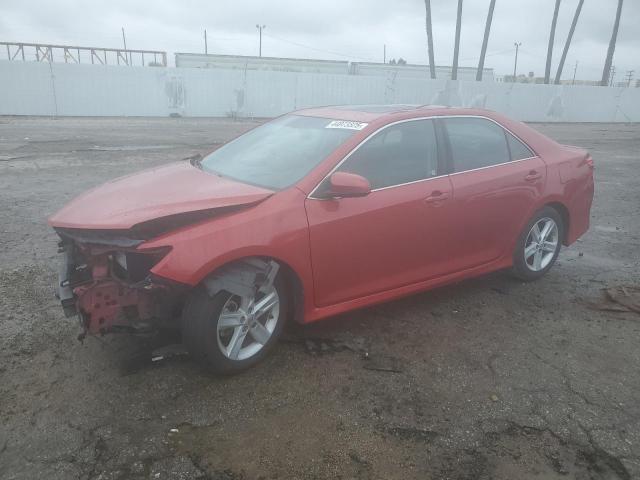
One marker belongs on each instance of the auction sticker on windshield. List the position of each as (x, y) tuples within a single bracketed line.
[(346, 124)]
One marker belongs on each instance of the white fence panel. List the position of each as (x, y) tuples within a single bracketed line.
[(33, 88)]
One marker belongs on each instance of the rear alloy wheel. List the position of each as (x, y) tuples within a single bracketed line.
[(539, 245), (229, 333)]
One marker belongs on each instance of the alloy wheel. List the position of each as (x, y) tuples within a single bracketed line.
[(246, 324), (541, 244)]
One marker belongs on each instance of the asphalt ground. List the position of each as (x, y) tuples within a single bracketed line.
[(487, 379)]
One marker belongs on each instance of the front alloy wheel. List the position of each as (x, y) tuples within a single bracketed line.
[(229, 333), (246, 324)]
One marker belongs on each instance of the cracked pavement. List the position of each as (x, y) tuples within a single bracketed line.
[(486, 379)]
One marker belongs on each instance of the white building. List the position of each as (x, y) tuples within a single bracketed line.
[(239, 62), (336, 67), (417, 71)]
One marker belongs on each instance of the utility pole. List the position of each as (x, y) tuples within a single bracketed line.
[(206, 50), (515, 63), (384, 53), (575, 69), (260, 28), (124, 41), (456, 48), (629, 77)]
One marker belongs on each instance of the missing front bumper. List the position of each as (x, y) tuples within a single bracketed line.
[(88, 286)]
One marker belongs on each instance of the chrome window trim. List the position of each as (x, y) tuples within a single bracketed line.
[(491, 166), (430, 117), (522, 142), (408, 183)]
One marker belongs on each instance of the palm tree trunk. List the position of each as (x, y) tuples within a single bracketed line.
[(456, 48), (568, 42), (485, 40), (612, 47), (432, 65), (547, 70)]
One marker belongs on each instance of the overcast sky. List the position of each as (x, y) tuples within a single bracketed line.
[(337, 29)]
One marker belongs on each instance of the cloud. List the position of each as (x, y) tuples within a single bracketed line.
[(336, 29)]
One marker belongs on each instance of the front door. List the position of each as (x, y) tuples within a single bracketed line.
[(398, 234)]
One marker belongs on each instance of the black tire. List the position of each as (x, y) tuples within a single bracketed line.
[(200, 318), (521, 267)]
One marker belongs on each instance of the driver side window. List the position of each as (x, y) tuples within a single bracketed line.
[(402, 153)]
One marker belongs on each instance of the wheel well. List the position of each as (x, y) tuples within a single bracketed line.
[(294, 284), (564, 214), (292, 280)]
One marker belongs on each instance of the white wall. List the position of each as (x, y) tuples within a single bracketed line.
[(30, 88)]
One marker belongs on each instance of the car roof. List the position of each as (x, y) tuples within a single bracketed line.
[(379, 115), (369, 113)]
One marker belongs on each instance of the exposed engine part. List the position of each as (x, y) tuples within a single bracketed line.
[(107, 304), (112, 291)]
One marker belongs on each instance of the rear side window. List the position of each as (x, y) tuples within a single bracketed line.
[(518, 149), (476, 143), (402, 153)]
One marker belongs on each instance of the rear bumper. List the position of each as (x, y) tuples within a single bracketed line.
[(580, 212)]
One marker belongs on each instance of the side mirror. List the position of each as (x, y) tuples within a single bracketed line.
[(343, 184)]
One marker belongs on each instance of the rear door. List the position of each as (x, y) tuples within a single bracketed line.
[(496, 181)]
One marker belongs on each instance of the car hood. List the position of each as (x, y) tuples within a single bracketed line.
[(166, 191)]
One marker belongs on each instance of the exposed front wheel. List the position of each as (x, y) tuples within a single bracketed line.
[(229, 333), (539, 245)]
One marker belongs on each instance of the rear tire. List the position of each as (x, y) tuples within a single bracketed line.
[(538, 246), (224, 335)]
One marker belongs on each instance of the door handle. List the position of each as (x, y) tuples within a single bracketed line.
[(436, 197), (533, 176)]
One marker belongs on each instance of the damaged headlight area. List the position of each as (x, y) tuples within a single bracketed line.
[(107, 282)]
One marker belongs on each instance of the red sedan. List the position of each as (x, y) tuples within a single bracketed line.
[(316, 213)]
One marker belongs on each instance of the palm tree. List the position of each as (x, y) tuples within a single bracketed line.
[(485, 40), (432, 66), (612, 47), (456, 48), (568, 42), (547, 70)]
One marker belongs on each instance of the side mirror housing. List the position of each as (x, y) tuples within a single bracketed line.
[(343, 184)]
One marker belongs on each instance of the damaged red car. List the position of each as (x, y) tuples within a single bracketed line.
[(313, 214)]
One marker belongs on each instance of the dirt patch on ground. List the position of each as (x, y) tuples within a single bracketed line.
[(488, 379)]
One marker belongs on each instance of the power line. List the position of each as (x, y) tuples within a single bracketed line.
[(318, 49), (490, 54)]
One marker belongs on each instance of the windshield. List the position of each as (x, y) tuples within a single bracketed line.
[(281, 152)]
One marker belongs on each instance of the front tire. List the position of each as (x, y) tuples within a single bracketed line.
[(538, 246), (228, 333)]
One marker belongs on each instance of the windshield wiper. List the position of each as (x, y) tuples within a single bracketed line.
[(195, 160)]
